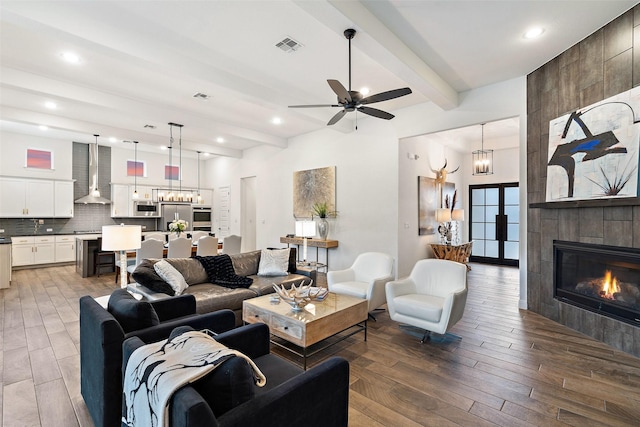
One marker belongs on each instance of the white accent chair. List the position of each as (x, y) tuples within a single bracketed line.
[(366, 279), (207, 246), (157, 236), (231, 244), (433, 297), (196, 235), (149, 248), (179, 248)]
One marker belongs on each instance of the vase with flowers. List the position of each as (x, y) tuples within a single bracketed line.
[(178, 226), (321, 210)]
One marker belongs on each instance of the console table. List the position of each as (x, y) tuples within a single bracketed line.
[(313, 243), (459, 253)]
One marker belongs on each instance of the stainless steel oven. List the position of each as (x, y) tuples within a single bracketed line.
[(147, 208), (202, 218)]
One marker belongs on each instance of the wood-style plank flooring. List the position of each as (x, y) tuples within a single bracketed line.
[(510, 368)]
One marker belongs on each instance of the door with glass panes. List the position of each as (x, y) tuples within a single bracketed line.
[(494, 223)]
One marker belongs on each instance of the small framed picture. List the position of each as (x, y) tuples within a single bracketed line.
[(39, 159), (136, 168), (172, 172)]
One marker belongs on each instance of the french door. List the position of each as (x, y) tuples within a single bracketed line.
[(494, 224)]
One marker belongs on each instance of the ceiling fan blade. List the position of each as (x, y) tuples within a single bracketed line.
[(376, 113), (384, 96), (315, 106), (340, 114), (343, 94)]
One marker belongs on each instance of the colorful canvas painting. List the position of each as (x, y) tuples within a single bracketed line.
[(594, 151), (313, 186), (39, 159), (172, 172), (135, 168)]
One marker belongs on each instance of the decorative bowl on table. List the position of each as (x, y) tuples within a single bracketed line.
[(299, 297)]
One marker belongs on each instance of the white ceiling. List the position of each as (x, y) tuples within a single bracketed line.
[(141, 61)]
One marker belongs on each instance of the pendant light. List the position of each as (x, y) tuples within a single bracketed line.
[(198, 196), (171, 197), (135, 175), (482, 159)]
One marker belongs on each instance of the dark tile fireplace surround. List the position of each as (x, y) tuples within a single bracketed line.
[(604, 64)]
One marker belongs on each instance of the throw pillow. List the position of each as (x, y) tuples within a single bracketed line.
[(171, 276), (146, 275), (130, 313), (274, 262), (293, 262)]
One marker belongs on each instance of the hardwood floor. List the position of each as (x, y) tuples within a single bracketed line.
[(510, 368)]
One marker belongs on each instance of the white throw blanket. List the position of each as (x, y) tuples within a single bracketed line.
[(155, 371)]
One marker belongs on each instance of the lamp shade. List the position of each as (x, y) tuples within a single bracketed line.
[(121, 237), (457, 215), (305, 228), (443, 215)]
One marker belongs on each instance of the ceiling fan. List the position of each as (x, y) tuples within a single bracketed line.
[(351, 100)]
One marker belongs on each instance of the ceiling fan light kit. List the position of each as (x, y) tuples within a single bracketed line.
[(352, 100)]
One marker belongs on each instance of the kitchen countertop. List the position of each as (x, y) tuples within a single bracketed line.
[(5, 240)]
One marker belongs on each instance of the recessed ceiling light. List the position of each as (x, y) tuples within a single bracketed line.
[(220, 140), (533, 33), (113, 139), (206, 154), (70, 57), (50, 105), (43, 127), (163, 147), (276, 120), (365, 91)]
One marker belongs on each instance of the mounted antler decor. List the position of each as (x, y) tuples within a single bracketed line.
[(441, 179)]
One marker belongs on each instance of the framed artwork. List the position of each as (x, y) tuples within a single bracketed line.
[(136, 168), (39, 159), (172, 172), (313, 186), (429, 199), (593, 151)]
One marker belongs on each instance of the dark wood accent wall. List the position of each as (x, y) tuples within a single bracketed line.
[(600, 66)]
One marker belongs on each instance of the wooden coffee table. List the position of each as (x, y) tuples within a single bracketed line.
[(306, 332)]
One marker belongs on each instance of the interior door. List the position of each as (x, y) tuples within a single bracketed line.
[(248, 213), (494, 223)]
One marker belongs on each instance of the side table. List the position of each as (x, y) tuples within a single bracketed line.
[(459, 253)]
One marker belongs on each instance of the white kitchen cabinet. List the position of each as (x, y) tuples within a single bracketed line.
[(65, 248), (145, 193), (207, 197), (25, 198), (22, 250), (30, 250), (121, 202), (63, 202)]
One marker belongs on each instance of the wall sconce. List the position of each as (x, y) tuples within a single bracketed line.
[(482, 159)]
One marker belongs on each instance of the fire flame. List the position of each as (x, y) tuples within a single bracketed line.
[(609, 286)]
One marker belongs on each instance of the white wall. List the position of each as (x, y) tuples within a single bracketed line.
[(13, 158), (366, 187)]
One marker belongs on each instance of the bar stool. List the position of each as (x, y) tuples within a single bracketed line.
[(103, 259)]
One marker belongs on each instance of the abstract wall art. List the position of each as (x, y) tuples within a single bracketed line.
[(136, 168), (39, 159), (313, 186), (429, 192), (172, 172), (594, 151)]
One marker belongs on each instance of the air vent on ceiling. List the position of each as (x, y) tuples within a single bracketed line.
[(149, 126), (200, 95), (288, 45)]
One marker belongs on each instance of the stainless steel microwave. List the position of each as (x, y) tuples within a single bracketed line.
[(147, 208)]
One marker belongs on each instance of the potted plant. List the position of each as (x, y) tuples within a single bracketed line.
[(321, 210)]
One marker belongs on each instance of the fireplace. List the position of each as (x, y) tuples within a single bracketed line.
[(603, 279)]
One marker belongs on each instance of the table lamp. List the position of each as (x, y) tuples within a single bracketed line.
[(305, 229), (443, 216), (121, 238)]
